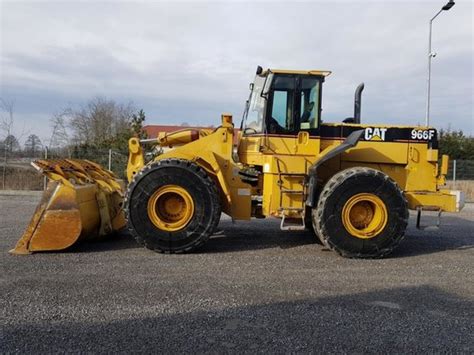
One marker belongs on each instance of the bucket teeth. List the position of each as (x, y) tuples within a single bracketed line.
[(78, 172)]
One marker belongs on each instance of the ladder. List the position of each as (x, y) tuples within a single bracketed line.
[(420, 209), (284, 211)]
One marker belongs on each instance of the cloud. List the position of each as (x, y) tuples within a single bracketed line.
[(190, 61)]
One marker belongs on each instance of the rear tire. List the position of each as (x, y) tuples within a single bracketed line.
[(172, 206), (308, 223), (371, 229)]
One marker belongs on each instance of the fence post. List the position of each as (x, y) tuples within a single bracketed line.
[(4, 168), (454, 172), (45, 179), (110, 159)]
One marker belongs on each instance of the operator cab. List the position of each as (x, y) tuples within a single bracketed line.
[(284, 102)]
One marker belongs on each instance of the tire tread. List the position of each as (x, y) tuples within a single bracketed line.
[(333, 183), (188, 165)]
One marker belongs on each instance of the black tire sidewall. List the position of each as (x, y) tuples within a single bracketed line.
[(202, 191), (331, 227)]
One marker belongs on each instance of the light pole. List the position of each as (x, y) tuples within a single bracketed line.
[(432, 54)]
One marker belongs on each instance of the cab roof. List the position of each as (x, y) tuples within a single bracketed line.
[(304, 72)]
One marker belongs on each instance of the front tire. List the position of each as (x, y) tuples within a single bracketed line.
[(172, 206), (361, 213)]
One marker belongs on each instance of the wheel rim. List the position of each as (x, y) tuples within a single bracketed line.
[(170, 208), (364, 215)]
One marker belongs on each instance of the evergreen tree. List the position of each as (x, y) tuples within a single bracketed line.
[(137, 124), (11, 143), (456, 145)]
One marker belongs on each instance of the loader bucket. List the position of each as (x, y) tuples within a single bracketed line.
[(82, 201)]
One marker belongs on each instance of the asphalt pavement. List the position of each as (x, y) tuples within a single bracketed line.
[(252, 288)]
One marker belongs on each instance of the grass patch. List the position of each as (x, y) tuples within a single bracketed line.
[(24, 178)]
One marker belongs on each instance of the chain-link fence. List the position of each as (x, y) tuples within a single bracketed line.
[(461, 177), (461, 170), (18, 174)]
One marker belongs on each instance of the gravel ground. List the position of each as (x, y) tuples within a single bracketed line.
[(252, 289)]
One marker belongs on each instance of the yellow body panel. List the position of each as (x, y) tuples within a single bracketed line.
[(444, 200), (413, 166)]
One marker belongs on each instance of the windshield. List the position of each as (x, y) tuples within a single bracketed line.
[(254, 113)]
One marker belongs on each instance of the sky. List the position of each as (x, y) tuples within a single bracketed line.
[(191, 61)]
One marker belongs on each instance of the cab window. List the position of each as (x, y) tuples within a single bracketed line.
[(281, 118), (293, 104), (309, 103)]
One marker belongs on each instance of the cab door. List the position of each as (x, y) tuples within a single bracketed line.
[(291, 143), (293, 116), (280, 122), (309, 115)]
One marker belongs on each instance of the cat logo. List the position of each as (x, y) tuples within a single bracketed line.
[(375, 134)]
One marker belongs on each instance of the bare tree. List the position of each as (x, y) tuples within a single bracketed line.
[(100, 121), (6, 118), (6, 126), (59, 135)]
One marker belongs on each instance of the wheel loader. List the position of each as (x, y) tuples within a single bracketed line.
[(350, 184)]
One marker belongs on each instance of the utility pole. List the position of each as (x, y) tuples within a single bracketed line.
[(432, 54)]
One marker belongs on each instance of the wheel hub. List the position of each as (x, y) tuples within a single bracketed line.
[(364, 215), (170, 208)]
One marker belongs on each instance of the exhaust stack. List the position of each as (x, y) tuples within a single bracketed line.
[(358, 102)]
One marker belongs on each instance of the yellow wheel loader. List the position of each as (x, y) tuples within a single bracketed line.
[(350, 184)]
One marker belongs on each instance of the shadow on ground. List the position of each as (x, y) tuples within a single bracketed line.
[(117, 241), (255, 235), (264, 234), (415, 319), (454, 234)]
